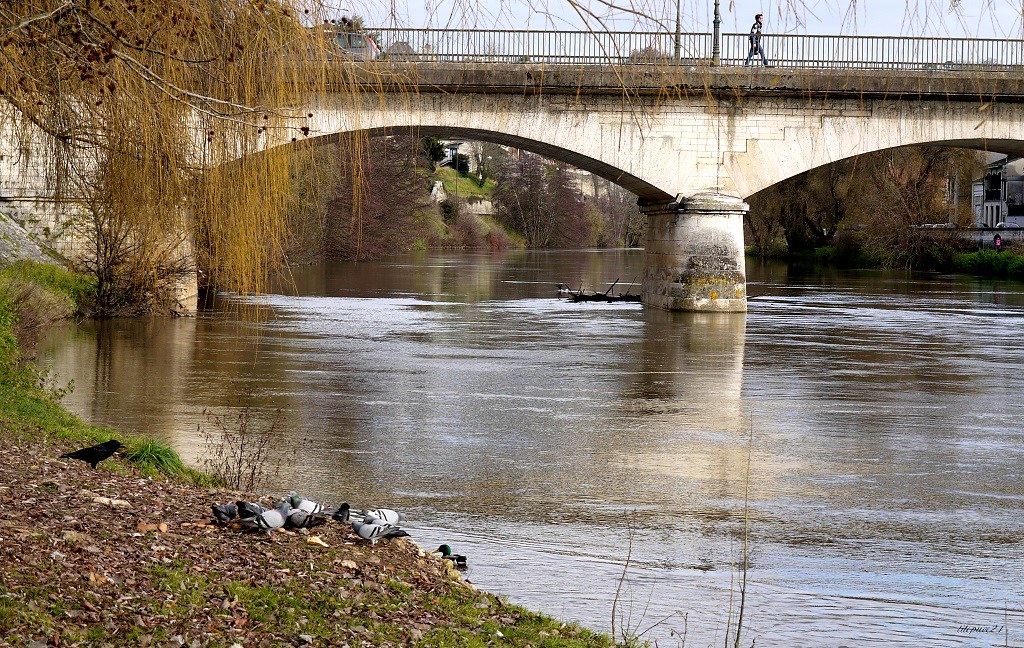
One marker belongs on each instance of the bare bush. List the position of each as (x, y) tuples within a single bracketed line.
[(238, 449)]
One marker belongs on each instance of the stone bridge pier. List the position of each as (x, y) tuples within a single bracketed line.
[(694, 254)]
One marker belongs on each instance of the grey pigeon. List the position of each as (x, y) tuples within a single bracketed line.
[(374, 531), (384, 515), (304, 503), (270, 519), (299, 519), (248, 510), (224, 513)]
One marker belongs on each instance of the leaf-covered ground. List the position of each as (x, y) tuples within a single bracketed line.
[(78, 571)]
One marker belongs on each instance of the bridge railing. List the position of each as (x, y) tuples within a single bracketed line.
[(691, 48)]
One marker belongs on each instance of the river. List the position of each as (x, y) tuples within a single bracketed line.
[(862, 430)]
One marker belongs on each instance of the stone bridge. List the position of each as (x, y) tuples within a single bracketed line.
[(691, 141)]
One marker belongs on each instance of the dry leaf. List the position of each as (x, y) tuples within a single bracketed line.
[(349, 564), (112, 503), (146, 527), (316, 540), (162, 527)]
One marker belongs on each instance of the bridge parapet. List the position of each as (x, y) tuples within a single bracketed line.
[(666, 48), (678, 81)]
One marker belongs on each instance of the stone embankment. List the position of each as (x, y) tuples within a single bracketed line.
[(17, 245)]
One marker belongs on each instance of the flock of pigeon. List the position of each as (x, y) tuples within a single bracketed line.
[(297, 512), (293, 512)]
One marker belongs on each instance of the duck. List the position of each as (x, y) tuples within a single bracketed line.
[(446, 554)]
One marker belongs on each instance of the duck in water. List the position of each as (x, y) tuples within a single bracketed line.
[(446, 554)]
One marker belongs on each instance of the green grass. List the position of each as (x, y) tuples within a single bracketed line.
[(467, 616), (989, 263), (76, 287), (467, 186)]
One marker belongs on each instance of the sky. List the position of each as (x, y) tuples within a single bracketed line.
[(951, 18)]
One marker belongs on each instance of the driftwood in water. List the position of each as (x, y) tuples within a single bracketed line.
[(576, 296)]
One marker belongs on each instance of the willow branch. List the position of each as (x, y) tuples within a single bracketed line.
[(44, 16)]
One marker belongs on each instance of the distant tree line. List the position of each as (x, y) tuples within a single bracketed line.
[(376, 201), (542, 200)]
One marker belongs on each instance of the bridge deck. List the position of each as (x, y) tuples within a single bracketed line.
[(669, 81)]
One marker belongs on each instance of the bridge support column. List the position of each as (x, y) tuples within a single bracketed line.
[(693, 260)]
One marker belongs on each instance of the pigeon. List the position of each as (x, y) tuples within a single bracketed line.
[(387, 516), (224, 513), (304, 503), (248, 510), (95, 454), (446, 554), (269, 519), (374, 531), (341, 514), (299, 519)]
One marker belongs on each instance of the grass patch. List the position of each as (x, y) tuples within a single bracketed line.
[(989, 263), (466, 185), (78, 288)]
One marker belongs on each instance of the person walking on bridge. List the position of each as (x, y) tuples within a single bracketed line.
[(755, 41)]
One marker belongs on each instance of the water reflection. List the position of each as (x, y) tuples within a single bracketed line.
[(874, 413)]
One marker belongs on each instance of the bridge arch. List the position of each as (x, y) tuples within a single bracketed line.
[(598, 167), (1005, 147)]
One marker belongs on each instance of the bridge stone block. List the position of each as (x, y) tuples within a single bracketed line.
[(694, 259)]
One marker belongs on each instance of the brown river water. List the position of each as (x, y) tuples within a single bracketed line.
[(872, 422)]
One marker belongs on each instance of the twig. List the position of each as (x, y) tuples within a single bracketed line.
[(625, 568), (28, 21)]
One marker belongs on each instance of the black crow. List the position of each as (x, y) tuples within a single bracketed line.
[(95, 454)]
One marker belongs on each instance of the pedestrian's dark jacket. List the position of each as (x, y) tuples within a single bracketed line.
[(755, 33)]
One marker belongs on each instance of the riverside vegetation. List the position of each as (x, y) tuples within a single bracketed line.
[(380, 204), (864, 212), (146, 570)]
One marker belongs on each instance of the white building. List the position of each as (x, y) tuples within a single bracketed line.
[(998, 197)]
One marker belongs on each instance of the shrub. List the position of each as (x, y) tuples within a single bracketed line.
[(989, 263), (152, 456)]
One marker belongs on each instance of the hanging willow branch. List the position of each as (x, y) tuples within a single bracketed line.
[(151, 115)]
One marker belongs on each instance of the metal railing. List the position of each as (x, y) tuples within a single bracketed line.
[(658, 48)]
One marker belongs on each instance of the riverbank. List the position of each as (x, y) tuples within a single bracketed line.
[(148, 571), (987, 264)]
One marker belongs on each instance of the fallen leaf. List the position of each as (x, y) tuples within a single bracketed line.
[(162, 527), (74, 537), (146, 527), (112, 503), (349, 564), (316, 540)]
